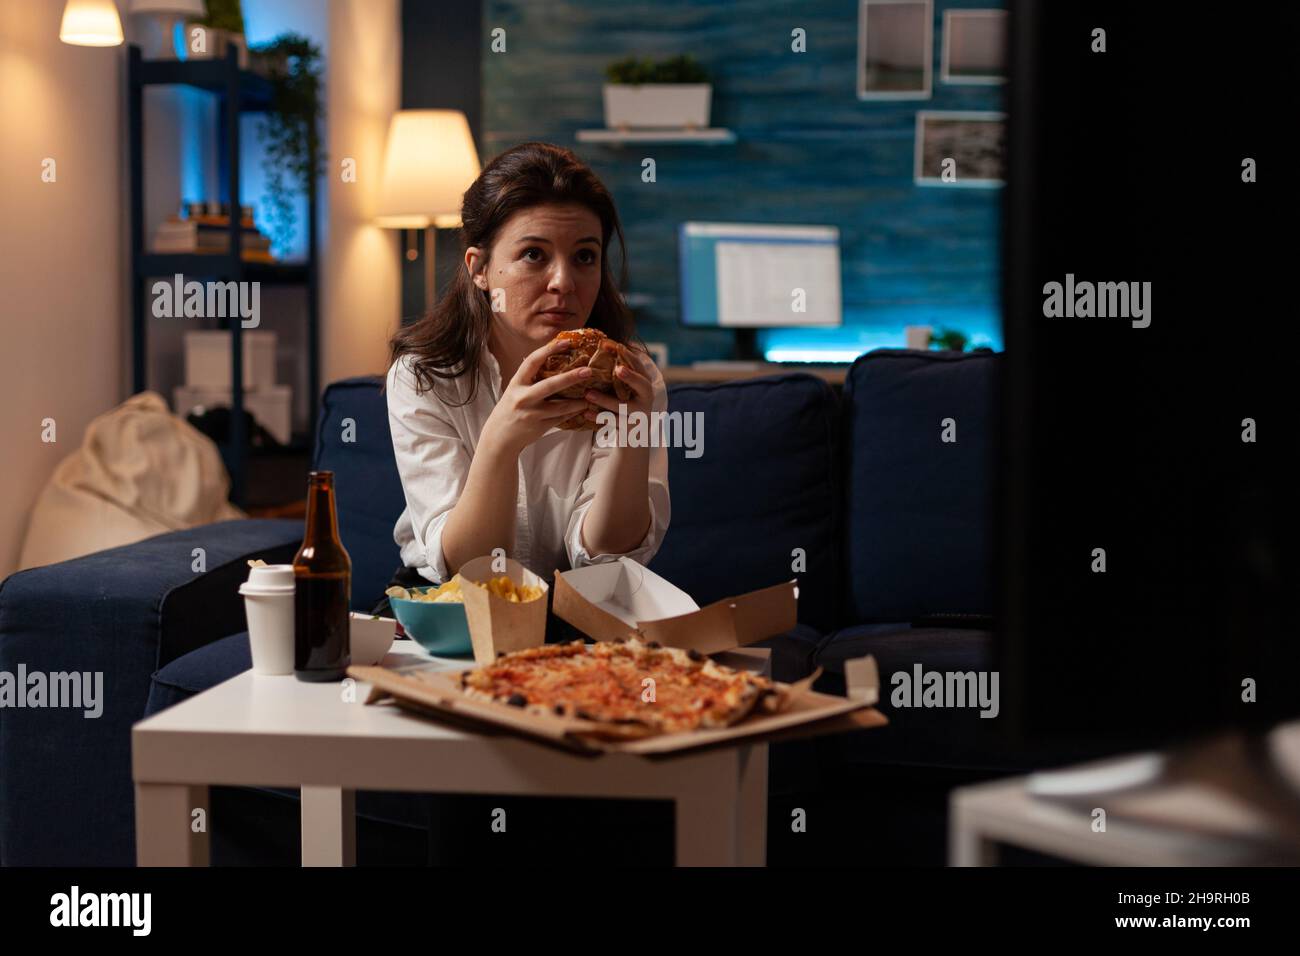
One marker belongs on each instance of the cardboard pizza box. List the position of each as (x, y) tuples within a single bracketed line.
[(498, 626), (434, 692), (606, 601)]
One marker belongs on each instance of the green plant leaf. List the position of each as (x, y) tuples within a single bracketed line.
[(677, 69), (225, 15), (291, 129), (949, 339)]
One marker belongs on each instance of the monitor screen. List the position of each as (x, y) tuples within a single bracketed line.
[(748, 276)]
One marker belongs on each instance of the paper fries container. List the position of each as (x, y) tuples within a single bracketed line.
[(606, 601), (496, 625)]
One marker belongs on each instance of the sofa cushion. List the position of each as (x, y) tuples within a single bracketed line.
[(919, 530), (353, 441), (198, 670), (792, 652), (765, 484), (898, 646)]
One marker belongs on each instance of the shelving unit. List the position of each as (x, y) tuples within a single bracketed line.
[(240, 91)]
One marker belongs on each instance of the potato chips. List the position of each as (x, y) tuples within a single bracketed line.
[(447, 593), (450, 592)]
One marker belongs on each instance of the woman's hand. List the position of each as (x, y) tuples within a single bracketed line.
[(619, 517), (638, 379), (526, 411)]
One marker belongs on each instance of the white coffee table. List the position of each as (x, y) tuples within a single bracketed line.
[(260, 731), (1188, 820)]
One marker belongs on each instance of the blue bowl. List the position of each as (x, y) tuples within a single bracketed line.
[(441, 629)]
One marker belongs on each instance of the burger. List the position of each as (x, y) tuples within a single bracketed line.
[(594, 349)]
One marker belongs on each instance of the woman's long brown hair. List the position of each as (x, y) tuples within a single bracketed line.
[(450, 340)]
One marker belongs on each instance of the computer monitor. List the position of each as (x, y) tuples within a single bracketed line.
[(1147, 564), (750, 276)]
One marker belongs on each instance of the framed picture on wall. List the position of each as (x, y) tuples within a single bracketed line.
[(895, 40), (974, 47), (960, 148)]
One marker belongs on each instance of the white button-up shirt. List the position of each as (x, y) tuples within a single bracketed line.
[(434, 442)]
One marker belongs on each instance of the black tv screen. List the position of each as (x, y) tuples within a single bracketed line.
[(1149, 408)]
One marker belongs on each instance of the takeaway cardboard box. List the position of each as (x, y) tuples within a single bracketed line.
[(436, 692), (498, 626), (606, 601)]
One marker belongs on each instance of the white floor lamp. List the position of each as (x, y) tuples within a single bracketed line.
[(429, 162)]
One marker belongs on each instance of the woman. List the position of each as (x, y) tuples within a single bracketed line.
[(482, 462), (484, 466)]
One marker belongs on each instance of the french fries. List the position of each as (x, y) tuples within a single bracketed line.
[(507, 590), (450, 592)]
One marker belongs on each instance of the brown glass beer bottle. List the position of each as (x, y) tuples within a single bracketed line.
[(322, 573)]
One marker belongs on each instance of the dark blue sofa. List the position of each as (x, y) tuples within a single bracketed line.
[(894, 526)]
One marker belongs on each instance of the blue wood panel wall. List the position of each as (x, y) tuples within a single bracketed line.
[(808, 151)]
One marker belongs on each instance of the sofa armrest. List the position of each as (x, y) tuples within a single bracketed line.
[(66, 795)]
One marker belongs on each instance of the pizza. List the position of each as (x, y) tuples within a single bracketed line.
[(606, 683)]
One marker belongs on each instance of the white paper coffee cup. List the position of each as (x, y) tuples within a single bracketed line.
[(268, 604)]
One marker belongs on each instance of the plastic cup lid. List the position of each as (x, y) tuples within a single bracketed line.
[(253, 591), (271, 577)]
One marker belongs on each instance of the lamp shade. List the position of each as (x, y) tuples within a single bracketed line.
[(192, 8), (91, 23), (429, 162)]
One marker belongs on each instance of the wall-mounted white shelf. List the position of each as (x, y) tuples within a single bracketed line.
[(703, 136)]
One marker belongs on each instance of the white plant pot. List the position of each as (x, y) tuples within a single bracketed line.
[(657, 105), (156, 32), (214, 42), (217, 41)]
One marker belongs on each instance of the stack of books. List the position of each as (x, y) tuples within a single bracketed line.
[(176, 235), (209, 234)]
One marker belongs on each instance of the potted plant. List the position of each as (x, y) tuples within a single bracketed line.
[(950, 340), (670, 94), (290, 132)]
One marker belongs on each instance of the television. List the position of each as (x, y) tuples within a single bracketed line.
[(1148, 568)]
